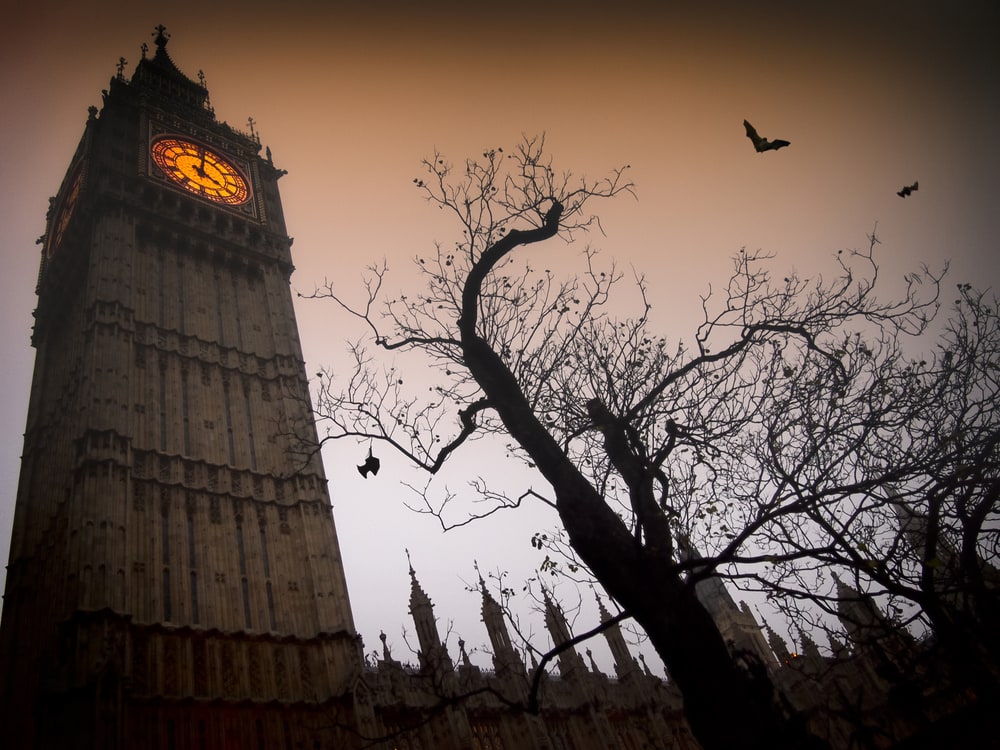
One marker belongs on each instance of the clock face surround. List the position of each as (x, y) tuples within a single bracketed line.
[(200, 170)]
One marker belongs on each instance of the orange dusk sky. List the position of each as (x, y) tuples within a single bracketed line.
[(872, 95)]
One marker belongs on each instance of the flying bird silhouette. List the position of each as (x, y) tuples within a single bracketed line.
[(371, 464), (907, 190), (762, 144)]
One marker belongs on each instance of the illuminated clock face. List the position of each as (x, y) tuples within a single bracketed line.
[(200, 171), (65, 212)]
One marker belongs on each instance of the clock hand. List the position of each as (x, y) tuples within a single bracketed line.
[(211, 179)]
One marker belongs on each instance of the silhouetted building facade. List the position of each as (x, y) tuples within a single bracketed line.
[(174, 578)]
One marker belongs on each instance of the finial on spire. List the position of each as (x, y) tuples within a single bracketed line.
[(479, 573), (122, 62), (602, 611), (593, 664), (160, 32), (204, 85), (144, 49), (465, 656)]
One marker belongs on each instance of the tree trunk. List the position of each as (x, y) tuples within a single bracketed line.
[(726, 706)]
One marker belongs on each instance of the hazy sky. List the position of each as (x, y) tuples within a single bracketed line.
[(872, 96)]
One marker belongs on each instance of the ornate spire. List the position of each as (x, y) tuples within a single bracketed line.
[(813, 659), (625, 664), (420, 603), (838, 647), (161, 75), (570, 661), (778, 645), (160, 37), (433, 654), (593, 664), (505, 659), (464, 656)]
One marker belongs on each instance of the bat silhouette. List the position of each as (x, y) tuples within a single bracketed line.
[(371, 464), (907, 190), (762, 144)]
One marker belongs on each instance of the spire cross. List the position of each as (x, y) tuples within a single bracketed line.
[(122, 62), (160, 32), (145, 49), (253, 133)]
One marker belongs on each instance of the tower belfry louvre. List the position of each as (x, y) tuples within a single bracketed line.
[(175, 578)]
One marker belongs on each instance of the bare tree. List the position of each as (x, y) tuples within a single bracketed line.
[(644, 446), (899, 473)]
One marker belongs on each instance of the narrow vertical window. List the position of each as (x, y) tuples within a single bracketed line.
[(192, 560), (193, 564), (241, 551), (184, 412), (167, 605), (263, 548), (165, 558), (236, 311), (246, 406), (163, 406), (165, 533), (246, 604), (180, 296), (194, 598), (270, 606), (229, 423), (219, 317), (162, 301)]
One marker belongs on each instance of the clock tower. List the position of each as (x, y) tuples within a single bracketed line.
[(175, 579)]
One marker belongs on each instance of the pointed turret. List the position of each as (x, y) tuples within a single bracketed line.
[(736, 623), (870, 631), (838, 647), (570, 662), (625, 664), (432, 654), (593, 665), (778, 646), (159, 75), (811, 660), (505, 660), (712, 592), (386, 653), (857, 613)]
